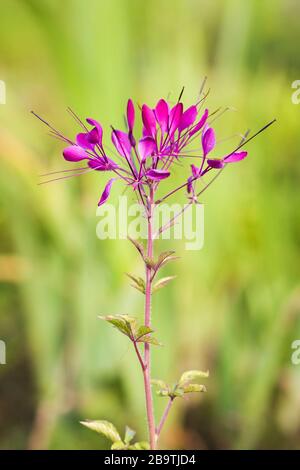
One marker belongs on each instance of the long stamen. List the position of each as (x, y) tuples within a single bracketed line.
[(237, 148)]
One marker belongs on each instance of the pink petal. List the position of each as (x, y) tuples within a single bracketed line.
[(74, 154), (162, 114), (130, 114), (83, 141), (195, 171), (188, 118), (106, 192), (174, 118), (158, 175), (122, 143), (146, 146), (208, 140), (101, 164), (200, 124), (236, 157), (149, 120), (98, 127), (215, 163)]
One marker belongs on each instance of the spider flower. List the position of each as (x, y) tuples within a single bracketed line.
[(169, 134)]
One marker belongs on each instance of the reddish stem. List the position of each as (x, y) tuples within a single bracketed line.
[(164, 417), (147, 356)]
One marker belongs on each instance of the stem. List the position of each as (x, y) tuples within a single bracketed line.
[(147, 355), (164, 417)]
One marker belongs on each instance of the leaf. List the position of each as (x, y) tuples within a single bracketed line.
[(160, 384), (119, 445), (138, 246), (149, 262), (162, 282), (194, 388), (192, 375), (150, 340), (142, 331), (103, 427), (139, 282), (139, 446), (163, 393), (129, 435), (177, 392), (164, 258), (124, 323)]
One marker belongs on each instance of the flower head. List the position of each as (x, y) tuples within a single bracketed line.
[(144, 162)]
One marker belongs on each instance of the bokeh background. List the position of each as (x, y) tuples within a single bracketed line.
[(234, 307)]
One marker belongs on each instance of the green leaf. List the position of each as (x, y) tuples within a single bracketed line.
[(103, 427), (138, 282), (163, 393), (119, 445), (162, 282), (164, 258), (150, 340), (124, 323), (194, 388), (142, 331), (129, 435), (138, 246), (139, 446), (192, 375), (160, 384), (177, 392)]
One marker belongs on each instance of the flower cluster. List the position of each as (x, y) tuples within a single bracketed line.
[(166, 133)]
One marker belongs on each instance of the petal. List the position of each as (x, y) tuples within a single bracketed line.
[(236, 157), (106, 192), (83, 141), (208, 140), (97, 164), (200, 124), (149, 120), (174, 118), (162, 114), (158, 175), (216, 163), (146, 147), (122, 143), (74, 154), (195, 171), (188, 118), (98, 127), (130, 115)]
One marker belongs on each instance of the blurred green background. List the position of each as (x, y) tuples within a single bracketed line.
[(235, 305)]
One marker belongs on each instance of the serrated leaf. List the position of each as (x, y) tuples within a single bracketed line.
[(164, 257), (103, 427), (139, 446), (138, 246), (167, 260), (142, 331), (160, 384), (194, 388), (150, 340), (124, 323), (178, 392), (138, 282), (163, 393), (191, 375), (129, 435), (119, 445), (162, 282)]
